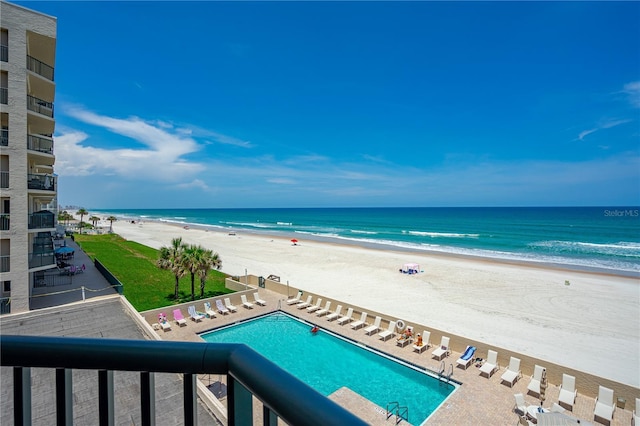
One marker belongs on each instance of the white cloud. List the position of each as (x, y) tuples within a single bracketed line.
[(633, 91), (606, 124)]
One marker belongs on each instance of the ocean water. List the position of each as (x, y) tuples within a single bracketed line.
[(593, 238)]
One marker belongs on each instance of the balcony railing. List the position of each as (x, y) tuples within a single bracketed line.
[(248, 374), (4, 180), (40, 68), (5, 264), (39, 106), (37, 260), (4, 137), (42, 220), (4, 95), (4, 53), (37, 143), (40, 181), (4, 222)]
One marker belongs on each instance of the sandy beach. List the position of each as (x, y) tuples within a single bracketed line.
[(592, 324)]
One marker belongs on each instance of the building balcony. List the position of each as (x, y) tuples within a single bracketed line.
[(42, 220), (42, 182), (4, 95), (4, 137), (40, 106), (4, 180), (40, 144), (4, 222), (40, 68), (5, 264), (37, 260), (4, 53), (249, 375)]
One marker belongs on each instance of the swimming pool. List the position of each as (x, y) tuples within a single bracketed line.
[(327, 362)]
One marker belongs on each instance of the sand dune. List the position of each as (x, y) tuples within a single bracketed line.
[(593, 324)]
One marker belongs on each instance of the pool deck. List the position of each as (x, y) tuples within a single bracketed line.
[(478, 401)]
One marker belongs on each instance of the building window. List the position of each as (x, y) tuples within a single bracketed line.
[(6, 286)]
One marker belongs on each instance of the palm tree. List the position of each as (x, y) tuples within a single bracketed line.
[(210, 260), (81, 212), (191, 262), (94, 220), (171, 258), (111, 219), (64, 217)]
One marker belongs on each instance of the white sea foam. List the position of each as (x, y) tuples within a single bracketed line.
[(441, 234), (284, 223), (356, 231)]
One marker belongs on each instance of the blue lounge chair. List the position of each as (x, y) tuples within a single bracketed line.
[(467, 357)]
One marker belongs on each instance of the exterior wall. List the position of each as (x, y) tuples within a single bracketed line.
[(18, 21)]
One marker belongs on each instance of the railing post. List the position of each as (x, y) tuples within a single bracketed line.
[(105, 395), (22, 396), (239, 404), (190, 403), (147, 398), (64, 397), (269, 418)]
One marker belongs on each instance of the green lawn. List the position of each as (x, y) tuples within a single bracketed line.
[(145, 285)]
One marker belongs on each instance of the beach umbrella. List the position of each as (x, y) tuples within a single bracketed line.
[(294, 241), (64, 250)]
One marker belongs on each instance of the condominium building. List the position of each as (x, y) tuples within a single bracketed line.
[(27, 181)]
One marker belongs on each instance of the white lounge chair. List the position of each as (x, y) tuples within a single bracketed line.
[(513, 372), (389, 332), (604, 404), (373, 327), (315, 307), (325, 310), (443, 350), (525, 422), (302, 305), (221, 308), (296, 299), (521, 405), (490, 366), (536, 379), (466, 359), (335, 315), (245, 302), (635, 416), (568, 392), (229, 305), (163, 322), (555, 408), (210, 313), (426, 335), (347, 318), (194, 315), (259, 301), (361, 322)]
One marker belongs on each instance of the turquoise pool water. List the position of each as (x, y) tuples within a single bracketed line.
[(327, 363)]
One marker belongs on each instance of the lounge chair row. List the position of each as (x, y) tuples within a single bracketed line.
[(209, 312), (603, 410)]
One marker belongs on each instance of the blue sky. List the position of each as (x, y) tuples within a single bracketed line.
[(331, 104)]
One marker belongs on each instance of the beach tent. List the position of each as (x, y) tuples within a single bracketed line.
[(410, 268)]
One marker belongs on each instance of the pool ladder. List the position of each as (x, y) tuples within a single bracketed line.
[(401, 412), (441, 374)]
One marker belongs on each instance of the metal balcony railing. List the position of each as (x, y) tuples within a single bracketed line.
[(40, 144), (4, 222), (40, 68), (42, 220), (42, 258), (41, 181), (40, 106), (4, 137), (248, 373), (4, 53), (5, 263)]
